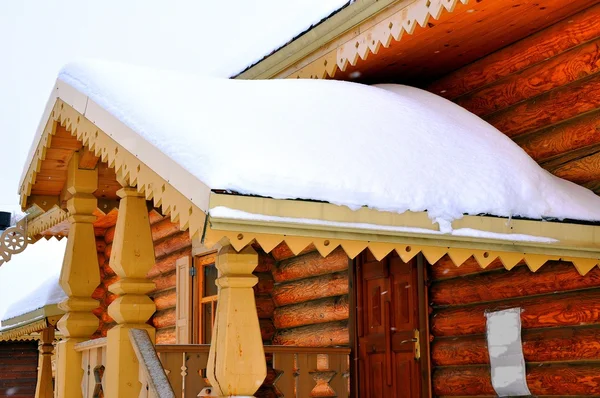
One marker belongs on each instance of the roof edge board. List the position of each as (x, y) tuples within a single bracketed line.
[(320, 35), (179, 193), (572, 239)]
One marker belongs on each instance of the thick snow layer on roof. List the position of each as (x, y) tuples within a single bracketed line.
[(30, 279), (392, 148)]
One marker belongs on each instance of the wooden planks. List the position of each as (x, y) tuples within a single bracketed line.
[(560, 380), (549, 108), (580, 132), (556, 39), (555, 310), (519, 282), (562, 344), (543, 92), (570, 66)]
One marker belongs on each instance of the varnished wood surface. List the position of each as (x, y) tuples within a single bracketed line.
[(551, 345), (446, 269), (557, 380), (573, 65), (311, 289), (319, 335), (543, 92), (569, 309), (312, 312), (519, 282), (310, 264), (560, 37)]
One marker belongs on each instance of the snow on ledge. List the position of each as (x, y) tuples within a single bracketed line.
[(234, 214), (390, 148)]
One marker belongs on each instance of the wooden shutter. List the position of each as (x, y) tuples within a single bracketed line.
[(183, 309)]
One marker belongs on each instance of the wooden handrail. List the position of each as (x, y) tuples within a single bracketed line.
[(91, 344), (269, 349)]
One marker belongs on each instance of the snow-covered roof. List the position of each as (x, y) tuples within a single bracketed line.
[(391, 147), (30, 280)]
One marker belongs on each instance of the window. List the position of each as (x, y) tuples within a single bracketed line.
[(207, 297)]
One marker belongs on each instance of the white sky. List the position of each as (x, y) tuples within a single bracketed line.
[(37, 37)]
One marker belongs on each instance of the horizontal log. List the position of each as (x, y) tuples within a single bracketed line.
[(563, 69), (101, 259), (312, 312), (265, 283), (538, 47), (154, 216), (109, 280), (310, 264), (267, 330), (283, 252), (264, 306), (549, 108), (551, 278), (160, 230), (164, 319), (109, 235), (164, 228), (165, 281), (265, 262), (166, 336), (99, 292), (567, 309), (310, 289), (549, 345), (445, 268), (172, 244), (320, 335), (165, 299), (582, 170), (571, 135), (166, 263), (100, 245), (108, 271), (561, 380)]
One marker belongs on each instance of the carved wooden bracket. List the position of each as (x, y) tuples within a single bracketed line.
[(12, 241)]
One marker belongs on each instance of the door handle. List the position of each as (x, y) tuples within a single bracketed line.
[(413, 340), (416, 340)]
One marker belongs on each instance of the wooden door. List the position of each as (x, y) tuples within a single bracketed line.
[(388, 327)]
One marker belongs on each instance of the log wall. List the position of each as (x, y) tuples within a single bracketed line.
[(560, 326), (544, 93), (310, 297), (18, 368), (169, 245)]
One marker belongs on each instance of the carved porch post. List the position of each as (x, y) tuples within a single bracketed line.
[(44, 388), (236, 363), (131, 258), (79, 276)]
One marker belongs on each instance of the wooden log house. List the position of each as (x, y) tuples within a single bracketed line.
[(336, 309)]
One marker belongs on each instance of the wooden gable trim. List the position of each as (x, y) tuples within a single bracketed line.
[(329, 48), (171, 187), (308, 43), (408, 234)]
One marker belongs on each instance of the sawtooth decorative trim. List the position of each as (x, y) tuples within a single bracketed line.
[(406, 251), (45, 221), (128, 167), (369, 41), (21, 332)]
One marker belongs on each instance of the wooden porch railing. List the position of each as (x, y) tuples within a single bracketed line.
[(300, 372), (93, 364)]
